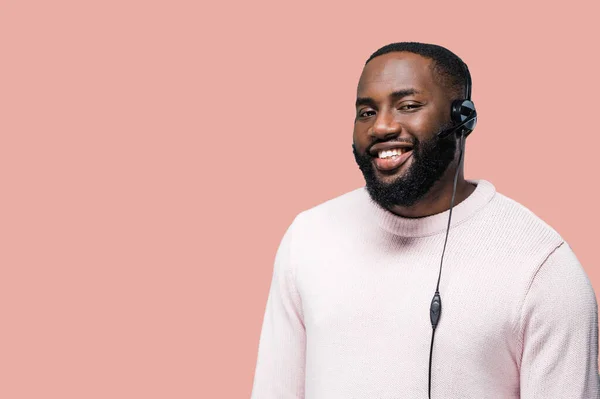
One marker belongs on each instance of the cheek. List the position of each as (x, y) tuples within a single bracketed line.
[(360, 136), (425, 125)]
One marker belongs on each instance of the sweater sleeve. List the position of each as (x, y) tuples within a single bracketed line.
[(559, 330), (279, 372)]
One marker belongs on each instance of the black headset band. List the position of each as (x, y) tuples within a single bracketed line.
[(468, 82)]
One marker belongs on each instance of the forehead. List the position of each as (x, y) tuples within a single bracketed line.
[(394, 71)]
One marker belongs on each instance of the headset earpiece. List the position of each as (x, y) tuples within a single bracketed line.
[(464, 113)]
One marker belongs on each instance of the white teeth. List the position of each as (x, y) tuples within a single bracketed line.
[(390, 153)]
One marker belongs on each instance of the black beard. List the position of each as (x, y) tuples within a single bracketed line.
[(430, 161)]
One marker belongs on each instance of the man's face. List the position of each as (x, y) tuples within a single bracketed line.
[(401, 106)]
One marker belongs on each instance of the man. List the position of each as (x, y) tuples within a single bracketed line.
[(348, 313)]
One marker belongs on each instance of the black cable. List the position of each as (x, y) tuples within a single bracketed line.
[(436, 310), (430, 352), (462, 143)]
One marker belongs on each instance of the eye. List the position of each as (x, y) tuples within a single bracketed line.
[(366, 113), (409, 107)]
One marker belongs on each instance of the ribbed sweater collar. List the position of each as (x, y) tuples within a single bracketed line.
[(434, 224)]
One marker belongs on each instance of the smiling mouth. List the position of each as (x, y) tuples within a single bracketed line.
[(391, 160)]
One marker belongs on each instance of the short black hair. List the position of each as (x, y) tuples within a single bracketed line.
[(447, 67)]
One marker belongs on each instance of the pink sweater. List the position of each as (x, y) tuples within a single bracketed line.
[(347, 316)]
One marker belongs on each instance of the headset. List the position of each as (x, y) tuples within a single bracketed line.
[(462, 112), (464, 119)]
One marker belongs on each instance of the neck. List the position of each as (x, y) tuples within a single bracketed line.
[(438, 199)]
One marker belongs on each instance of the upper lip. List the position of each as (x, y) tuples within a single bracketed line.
[(374, 151)]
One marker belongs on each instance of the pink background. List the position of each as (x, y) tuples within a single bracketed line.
[(153, 153)]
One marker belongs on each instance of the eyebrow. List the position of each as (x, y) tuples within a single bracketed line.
[(396, 95)]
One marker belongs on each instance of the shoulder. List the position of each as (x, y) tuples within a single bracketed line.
[(560, 290), (563, 267), (510, 237), (518, 224), (344, 209), (518, 215), (333, 223)]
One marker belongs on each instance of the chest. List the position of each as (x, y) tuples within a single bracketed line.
[(382, 302)]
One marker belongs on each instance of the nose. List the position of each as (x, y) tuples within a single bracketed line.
[(385, 126)]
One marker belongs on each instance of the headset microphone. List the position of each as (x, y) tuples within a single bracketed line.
[(471, 119)]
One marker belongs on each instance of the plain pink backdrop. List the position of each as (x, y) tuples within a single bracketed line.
[(153, 153)]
